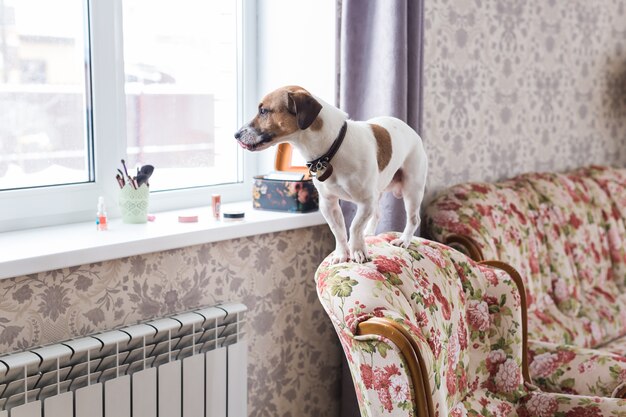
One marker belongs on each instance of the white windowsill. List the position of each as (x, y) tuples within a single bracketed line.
[(44, 249)]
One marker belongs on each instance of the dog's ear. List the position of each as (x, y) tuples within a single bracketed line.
[(304, 106)]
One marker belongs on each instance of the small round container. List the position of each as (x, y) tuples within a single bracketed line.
[(233, 216)]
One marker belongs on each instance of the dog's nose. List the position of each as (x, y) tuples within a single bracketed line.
[(238, 134)]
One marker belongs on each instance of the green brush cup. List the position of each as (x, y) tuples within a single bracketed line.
[(134, 203)]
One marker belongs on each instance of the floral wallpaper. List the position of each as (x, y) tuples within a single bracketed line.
[(294, 354), (513, 86)]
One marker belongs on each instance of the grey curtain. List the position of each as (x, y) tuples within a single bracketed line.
[(380, 74)]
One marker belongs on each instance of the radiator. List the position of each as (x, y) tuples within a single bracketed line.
[(189, 365)]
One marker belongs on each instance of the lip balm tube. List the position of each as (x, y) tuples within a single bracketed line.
[(216, 203)]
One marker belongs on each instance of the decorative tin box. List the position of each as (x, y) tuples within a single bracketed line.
[(280, 195)]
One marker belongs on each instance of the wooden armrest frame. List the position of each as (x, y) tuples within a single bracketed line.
[(418, 373), (466, 244), (516, 277)]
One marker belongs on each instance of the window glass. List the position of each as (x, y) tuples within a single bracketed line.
[(44, 74), (181, 90)]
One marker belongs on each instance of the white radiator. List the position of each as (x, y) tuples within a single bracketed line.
[(188, 365)]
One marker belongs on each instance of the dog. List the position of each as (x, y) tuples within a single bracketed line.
[(349, 160)]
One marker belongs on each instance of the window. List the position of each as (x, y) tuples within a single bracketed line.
[(43, 95), (181, 90), (156, 83)]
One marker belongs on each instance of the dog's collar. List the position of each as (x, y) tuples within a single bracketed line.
[(322, 163)]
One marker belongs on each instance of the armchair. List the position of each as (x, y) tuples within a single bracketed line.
[(565, 234), (429, 332)]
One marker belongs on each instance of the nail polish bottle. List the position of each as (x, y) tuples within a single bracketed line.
[(101, 215)]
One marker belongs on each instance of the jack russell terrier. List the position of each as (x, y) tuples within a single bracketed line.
[(348, 160)]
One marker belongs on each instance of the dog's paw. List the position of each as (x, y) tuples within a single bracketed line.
[(401, 243), (339, 257), (360, 256)]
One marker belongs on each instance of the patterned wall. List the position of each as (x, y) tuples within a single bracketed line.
[(517, 85), (294, 355)]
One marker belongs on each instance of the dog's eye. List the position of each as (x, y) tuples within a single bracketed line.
[(263, 110)]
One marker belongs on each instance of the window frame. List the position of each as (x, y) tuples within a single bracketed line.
[(59, 204)]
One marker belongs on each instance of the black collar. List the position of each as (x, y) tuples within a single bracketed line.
[(322, 163)]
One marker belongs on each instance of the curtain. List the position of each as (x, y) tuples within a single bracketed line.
[(380, 74)]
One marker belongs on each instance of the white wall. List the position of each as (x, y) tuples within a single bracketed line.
[(296, 45)]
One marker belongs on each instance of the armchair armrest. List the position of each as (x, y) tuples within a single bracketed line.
[(385, 370), (396, 333), (517, 279)]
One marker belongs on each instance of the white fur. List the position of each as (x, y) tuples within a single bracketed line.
[(356, 177)]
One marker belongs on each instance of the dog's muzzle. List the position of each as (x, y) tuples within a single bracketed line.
[(251, 140)]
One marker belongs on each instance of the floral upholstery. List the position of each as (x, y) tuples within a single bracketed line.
[(542, 404), (570, 369), (465, 318), (566, 235)]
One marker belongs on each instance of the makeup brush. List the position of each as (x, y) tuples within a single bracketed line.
[(147, 169), (120, 180), (141, 179), (144, 174), (128, 176)]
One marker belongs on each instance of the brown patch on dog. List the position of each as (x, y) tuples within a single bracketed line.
[(278, 116), (317, 124), (383, 144)]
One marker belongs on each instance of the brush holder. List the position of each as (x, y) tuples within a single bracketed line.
[(134, 203)]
